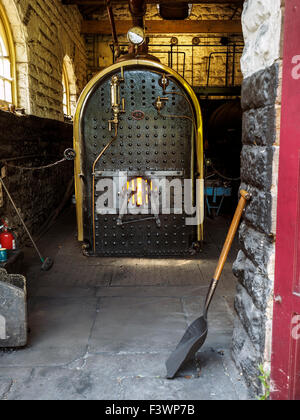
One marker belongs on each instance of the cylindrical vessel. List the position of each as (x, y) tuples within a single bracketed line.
[(3, 255), (7, 240)]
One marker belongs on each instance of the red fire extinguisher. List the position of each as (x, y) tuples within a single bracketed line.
[(7, 239)]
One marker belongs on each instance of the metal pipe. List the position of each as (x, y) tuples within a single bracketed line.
[(192, 64), (187, 45), (93, 183), (227, 66), (113, 27), (233, 66), (138, 10), (209, 62)]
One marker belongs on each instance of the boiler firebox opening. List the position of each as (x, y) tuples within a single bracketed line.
[(142, 154)]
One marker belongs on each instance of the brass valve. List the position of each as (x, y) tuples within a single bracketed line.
[(164, 82), (160, 103), (115, 100)]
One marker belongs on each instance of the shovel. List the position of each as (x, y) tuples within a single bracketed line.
[(196, 334)]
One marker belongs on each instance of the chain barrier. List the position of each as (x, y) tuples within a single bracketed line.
[(69, 155)]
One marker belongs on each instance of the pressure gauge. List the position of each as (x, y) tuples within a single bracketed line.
[(136, 35)]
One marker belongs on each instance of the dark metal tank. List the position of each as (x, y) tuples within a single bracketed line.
[(137, 123)]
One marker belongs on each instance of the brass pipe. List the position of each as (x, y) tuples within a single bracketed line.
[(193, 166), (200, 228), (93, 183)]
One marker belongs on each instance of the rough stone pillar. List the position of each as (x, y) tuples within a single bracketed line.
[(254, 266)]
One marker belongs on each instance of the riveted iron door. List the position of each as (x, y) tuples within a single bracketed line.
[(285, 373), (149, 147)]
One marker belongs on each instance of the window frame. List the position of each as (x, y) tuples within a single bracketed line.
[(6, 35), (66, 86)]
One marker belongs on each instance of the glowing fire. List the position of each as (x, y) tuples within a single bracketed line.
[(139, 191)]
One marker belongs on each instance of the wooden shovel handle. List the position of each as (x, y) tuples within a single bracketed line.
[(245, 196)]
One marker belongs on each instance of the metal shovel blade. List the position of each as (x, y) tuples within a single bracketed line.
[(191, 342), (196, 334)]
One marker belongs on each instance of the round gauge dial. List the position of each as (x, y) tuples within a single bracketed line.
[(136, 35)]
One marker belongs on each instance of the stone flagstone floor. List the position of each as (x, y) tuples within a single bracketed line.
[(103, 328)]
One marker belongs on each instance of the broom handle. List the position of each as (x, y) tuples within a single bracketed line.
[(245, 196), (22, 221)]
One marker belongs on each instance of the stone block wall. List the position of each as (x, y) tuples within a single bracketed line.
[(257, 233), (36, 193), (46, 35), (255, 264), (45, 32)]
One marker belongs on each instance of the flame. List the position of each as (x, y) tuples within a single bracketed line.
[(139, 191), (133, 189)]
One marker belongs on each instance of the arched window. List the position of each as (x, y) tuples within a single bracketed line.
[(66, 92), (8, 94)]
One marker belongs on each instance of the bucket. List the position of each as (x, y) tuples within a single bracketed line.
[(13, 310), (3, 255)]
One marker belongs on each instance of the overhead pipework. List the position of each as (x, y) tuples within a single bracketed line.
[(138, 41), (138, 9), (113, 27)]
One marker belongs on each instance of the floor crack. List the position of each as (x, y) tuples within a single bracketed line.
[(7, 392)]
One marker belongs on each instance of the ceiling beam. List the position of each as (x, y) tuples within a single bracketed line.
[(165, 26)]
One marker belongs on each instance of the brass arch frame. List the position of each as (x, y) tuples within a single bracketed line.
[(78, 135)]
